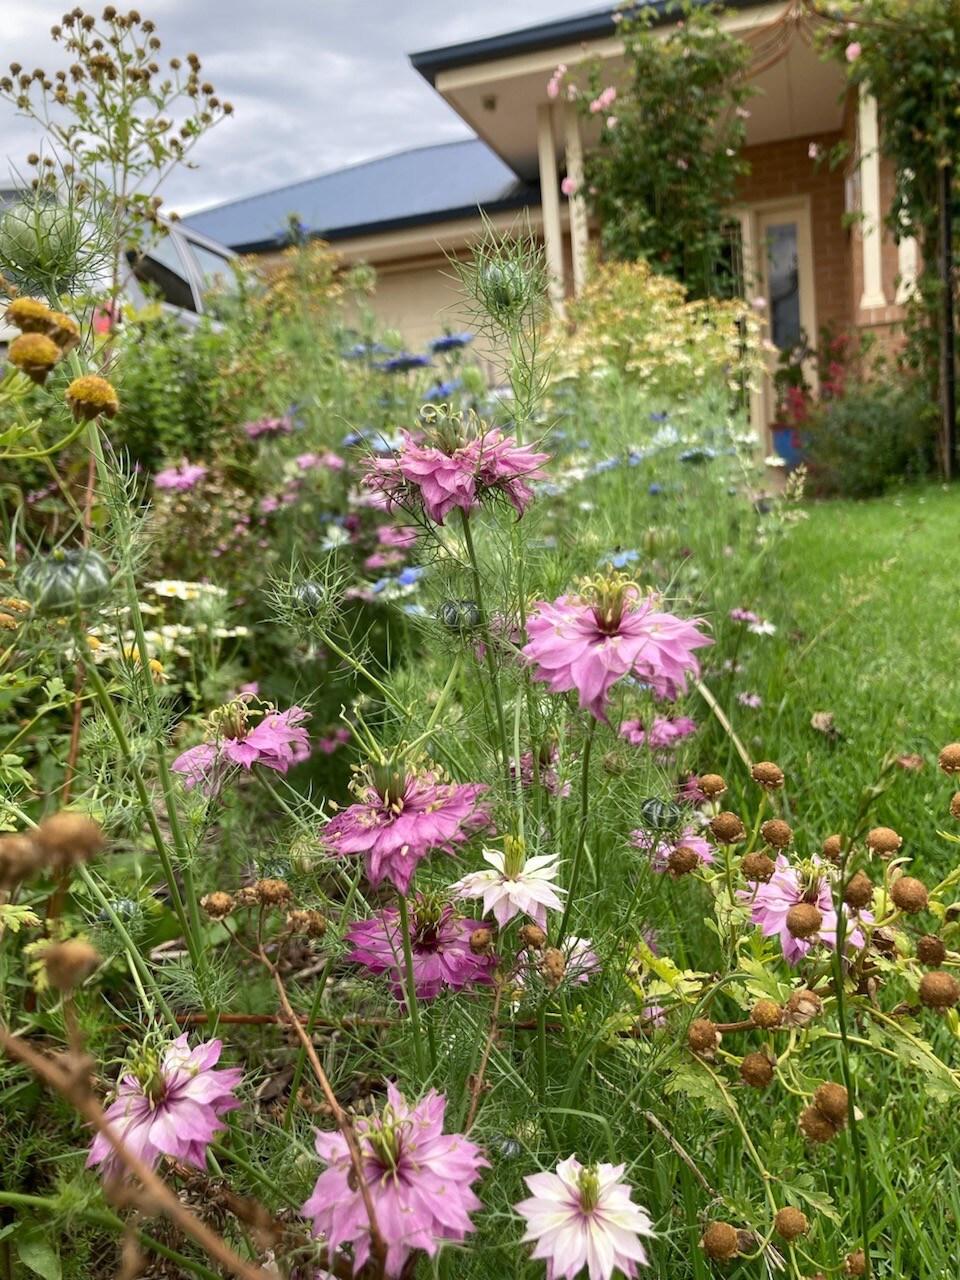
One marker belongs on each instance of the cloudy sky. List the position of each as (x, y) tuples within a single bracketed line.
[(316, 84)]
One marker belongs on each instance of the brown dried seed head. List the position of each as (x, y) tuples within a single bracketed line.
[(756, 1070), (20, 859), (790, 1223), (955, 806), (703, 1036), (481, 942), (67, 837), (247, 896), (910, 895), (727, 828), (720, 1242), (833, 848), (553, 966), (777, 833), (883, 841), (757, 866), (815, 1126), (217, 905), (939, 990), (69, 963), (768, 775), (310, 923), (272, 893), (802, 1007), (949, 758), (931, 951), (766, 1014), (804, 920), (532, 937), (64, 330), (859, 891), (855, 1264), (831, 1100), (682, 860), (712, 785)]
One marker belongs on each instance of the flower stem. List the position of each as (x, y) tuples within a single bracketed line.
[(413, 1008), (581, 830), (487, 646)]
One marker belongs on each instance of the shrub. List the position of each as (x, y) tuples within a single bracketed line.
[(635, 322), (878, 433)]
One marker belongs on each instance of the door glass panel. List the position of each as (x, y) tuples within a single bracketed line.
[(783, 269)]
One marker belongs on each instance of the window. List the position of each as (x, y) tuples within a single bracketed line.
[(165, 274), (783, 271)]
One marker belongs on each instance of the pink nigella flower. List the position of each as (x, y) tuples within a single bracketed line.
[(660, 848), (590, 641), (744, 615), (770, 905), (327, 746), (853, 50), (813, 151), (513, 885), (170, 1105), (277, 742), (419, 1180), (569, 186), (268, 426), (583, 1218), (661, 736), (180, 478), (540, 769), (400, 816), (688, 790), (389, 535), (439, 944), (448, 471), (751, 700)]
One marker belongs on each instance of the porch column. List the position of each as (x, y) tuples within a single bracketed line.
[(550, 204), (579, 228), (871, 231)]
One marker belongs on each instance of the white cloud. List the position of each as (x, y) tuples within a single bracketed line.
[(316, 84)]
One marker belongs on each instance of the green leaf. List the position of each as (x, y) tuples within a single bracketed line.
[(695, 1083), (36, 1252)]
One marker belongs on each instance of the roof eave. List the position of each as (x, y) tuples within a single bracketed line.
[(524, 200)]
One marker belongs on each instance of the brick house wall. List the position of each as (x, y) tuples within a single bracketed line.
[(783, 169)]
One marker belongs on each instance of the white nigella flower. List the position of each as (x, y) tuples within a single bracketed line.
[(513, 884), (582, 1218), (762, 628)]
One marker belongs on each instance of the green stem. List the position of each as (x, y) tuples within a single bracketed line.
[(413, 1008), (487, 646), (315, 1012), (146, 804), (133, 952), (106, 1219), (581, 830)]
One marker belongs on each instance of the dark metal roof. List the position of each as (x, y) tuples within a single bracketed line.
[(595, 25), (410, 188)]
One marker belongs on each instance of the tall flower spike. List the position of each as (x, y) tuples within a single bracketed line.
[(419, 1179), (582, 1217)]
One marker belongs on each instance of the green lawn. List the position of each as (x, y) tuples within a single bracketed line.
[(864, 595)]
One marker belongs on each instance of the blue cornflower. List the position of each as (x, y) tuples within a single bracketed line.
[(403, 361), (450, 342), (655, 489), (410, 575), (619, 559), (364, 349), (443, 390)]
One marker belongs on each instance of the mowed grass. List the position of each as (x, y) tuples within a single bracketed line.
[(865, 599)]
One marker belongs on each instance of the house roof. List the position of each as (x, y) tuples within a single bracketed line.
[(407, 189), (595, 25)]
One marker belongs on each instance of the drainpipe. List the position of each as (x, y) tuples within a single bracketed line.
[(949, 337)]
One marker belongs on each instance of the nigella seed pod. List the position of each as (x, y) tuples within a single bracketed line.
[(307, 597), (124, 908), (459, 615), (660, 815), (503, 287)]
